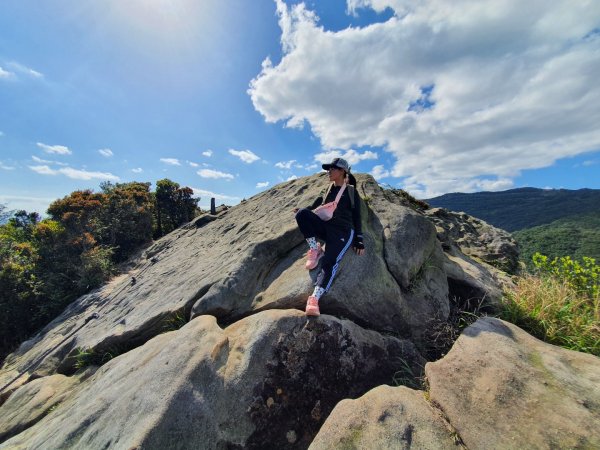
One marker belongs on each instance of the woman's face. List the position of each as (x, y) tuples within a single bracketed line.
[(336, 175)]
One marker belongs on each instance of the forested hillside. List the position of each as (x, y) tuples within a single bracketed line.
[(518, 209), (46, 264), (575, 236)]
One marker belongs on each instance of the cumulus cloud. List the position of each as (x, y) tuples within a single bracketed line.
[(5, 167), (293, 177), (262, 184), (285, 164), (193, 164), (245, 155), (75, 174), (170, 161), (352, 156), (54, 149), (107, 152), (137, 170), (380, 172), (208, 153), (463, 95), (209, 173)]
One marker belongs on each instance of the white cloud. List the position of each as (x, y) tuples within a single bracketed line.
[(5, 167), (589, 162), (25, 70), (245, 155), (205, 197), (293, 177), (170, 161), (55, 149), (137, 170), (5, 74), (380, 172), (285, 165), (75, 174), (28, 203), (352, 156), (463, 95), (193, 164), (45, 161), (107, 152), (208, 153), (262, 184), (208, 173)]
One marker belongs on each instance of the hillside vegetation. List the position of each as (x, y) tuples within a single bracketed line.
[(46, 264), (577, 236), (518, 209)]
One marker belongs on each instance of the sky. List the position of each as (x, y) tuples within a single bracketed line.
[(233, 97)]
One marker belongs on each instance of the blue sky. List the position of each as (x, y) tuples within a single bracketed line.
[(231, 98)]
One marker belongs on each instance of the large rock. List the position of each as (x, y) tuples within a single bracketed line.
[(32, 402), (502, 388), (268, 381), (385, 418), (248, 259)]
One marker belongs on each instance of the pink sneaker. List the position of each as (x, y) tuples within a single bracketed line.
[(312, 306), (313, 257)]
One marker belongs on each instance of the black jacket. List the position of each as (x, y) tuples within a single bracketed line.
[(344, 216)]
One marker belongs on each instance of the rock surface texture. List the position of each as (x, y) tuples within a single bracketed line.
[(248, 369), (502, 388)]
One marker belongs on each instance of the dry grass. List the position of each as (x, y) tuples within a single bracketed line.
[(555, 312)]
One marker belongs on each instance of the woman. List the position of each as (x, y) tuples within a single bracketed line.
[(339, 233)]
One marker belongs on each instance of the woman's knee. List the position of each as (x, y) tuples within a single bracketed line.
[(303, 214)]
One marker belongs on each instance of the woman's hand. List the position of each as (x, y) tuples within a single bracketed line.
[(295, 210), (358, 245)]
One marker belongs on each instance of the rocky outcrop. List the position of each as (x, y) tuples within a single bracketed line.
[(269, 381), (476, 238), (497, 388), (386, 417), (239, 277), (502, 388)]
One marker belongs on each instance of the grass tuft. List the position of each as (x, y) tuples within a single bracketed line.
[(555, 311)]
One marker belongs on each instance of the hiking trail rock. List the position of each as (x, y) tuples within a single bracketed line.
[(248, 370), (502, 388), (246, 386), (385, 417)]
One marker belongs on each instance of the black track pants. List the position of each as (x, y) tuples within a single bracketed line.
[(337, 243)]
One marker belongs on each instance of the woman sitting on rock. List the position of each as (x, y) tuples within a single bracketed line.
[(338, 232)]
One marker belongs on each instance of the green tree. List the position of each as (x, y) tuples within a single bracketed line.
[(174, 206), (125, 219)]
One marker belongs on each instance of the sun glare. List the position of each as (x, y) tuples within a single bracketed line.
[(163, 21)]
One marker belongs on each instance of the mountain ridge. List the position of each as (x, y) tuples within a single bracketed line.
[(521, 208)]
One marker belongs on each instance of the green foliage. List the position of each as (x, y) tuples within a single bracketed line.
[(45, 265), (175, 321), (85, 357), (583, 277), (518, 209), (125, 220), (407, 377), (559, 303), (575, 236), (174, 206)]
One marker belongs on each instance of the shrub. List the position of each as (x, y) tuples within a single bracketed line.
[(558, 303)]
